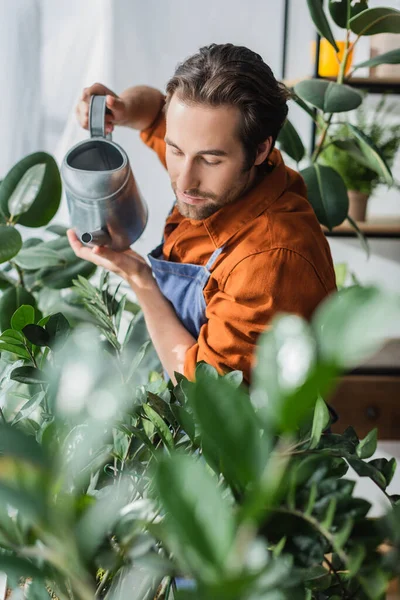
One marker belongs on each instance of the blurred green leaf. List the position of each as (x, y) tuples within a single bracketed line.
[(24, 315), (18, 350), (385, 466), (352, 324), (42, 194), (29, 407), (198, 515), (373, 156), (342, 10), (17, 445), (327, 194), (10, 336), (19, 567), (38, 257), (320, 422), (11, 300), (328, 96), (60, 230), (388, 58), (58, 329), (230, 431), (286, 380), (367, 447), (10, 242), (290, 141), (376, 20), (28, 375), (36, 335), (318, 16), (160, 425)]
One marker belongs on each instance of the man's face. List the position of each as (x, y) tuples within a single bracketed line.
[(204, 157)]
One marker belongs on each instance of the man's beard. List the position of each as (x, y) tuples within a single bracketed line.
[(215, 203)]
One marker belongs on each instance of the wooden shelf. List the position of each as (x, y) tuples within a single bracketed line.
[(388, 228)]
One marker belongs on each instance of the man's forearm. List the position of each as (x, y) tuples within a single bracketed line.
[(170, 338), (144, 104)]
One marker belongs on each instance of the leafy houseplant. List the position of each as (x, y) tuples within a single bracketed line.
[(111, 488), (323, 99), (34, 272), (359, 178)]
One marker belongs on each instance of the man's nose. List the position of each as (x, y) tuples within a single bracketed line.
[(188, 178)]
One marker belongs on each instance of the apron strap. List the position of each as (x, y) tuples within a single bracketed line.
[(214, 257)]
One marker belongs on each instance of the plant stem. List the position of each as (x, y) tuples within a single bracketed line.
[(340, 582), (20, 273), (2, 416), (102, 584)]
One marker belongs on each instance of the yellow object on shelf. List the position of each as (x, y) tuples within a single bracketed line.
[(329, 59)]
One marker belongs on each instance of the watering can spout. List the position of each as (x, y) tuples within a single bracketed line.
[(101, 237)]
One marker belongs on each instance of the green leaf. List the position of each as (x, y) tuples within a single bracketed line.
[(24, 315), (10, 300), (318, 16), (18, 350), (286, 380), (36, 335), (388, 58), (376, 20), (230, 431), (327, 194), (364, 469), (320, 422), (372, 155), (199, 517), (62, 277), (343, 10), (26, 190), (38, 257), (234, 377), (28, 375), (386, 467), (28, 408), (328, 96), (290, 141), (367, 447), (57, 229), (355, 560), (58, 329), (352, 324), (184, 419), (10, 242), (19, 567), (20, 446), (10, 336), (160, 425), (46, 192)]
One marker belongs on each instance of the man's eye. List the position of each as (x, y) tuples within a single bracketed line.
[(218, 162)]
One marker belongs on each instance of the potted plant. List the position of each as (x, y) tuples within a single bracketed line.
[(359, 178), (323, 100)]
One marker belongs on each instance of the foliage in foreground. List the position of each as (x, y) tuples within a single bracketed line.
[(111, 487)]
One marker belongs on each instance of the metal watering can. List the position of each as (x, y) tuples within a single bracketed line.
[(104, 203)]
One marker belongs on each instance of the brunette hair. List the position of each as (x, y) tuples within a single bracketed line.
[(225, 74)]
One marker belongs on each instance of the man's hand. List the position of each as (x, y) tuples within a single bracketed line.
[(118, 106), (129, 264)]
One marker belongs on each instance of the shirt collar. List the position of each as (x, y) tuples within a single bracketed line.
[(229, 219)]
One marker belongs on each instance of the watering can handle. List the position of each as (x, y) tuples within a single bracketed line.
[(97, 113)]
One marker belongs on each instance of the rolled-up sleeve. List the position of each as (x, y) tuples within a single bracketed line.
[(259, 287), (154, 136)]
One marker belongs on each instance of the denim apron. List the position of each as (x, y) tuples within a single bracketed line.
[(182, 284)]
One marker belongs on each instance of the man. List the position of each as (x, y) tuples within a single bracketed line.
[(242, 242)]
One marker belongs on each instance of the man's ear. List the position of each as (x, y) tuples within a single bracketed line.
[(263, 151)]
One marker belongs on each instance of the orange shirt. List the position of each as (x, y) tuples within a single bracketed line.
[(276, 259)]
